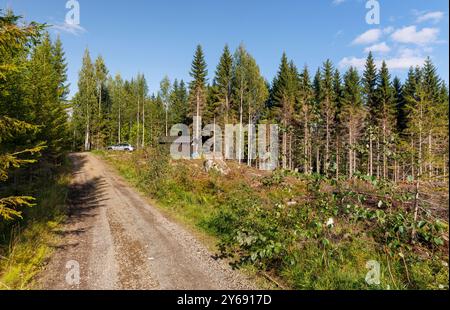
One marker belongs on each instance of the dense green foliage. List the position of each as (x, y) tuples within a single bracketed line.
[(362, 151), (279, 223), (33, 140), (369, 124), (33, 120), (362, 158)]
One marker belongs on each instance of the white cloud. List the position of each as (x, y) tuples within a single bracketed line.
[(404, 59), (69, 28), (411, 35), (408, 52), (403, 63), (378, 48), (337, 2), (352, 62), (368, 37), (434, 17)]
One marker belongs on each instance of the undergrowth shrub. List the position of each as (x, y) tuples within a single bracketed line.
[(307, 231)]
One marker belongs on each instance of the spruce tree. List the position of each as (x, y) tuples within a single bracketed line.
[(385, 111), (409, 90), (430, 85), (256, 99), (60, 65), (399, 104), (352, 115), (240, 87), (116, 88), (223, 81), (86, 101), (317, 119), (14, 42), (306, 98), (164, 94), (101, 74), (327, 110), (283, 94), (180, 103), (338, 92), (141, 97), (369, 92), (198, 93), (369, 80), (414, 112), (47, 86), (442, 130)]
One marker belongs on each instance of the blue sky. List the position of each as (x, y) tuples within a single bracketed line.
[(158, 38)]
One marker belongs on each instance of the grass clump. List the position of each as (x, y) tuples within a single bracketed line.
[(25, 245)]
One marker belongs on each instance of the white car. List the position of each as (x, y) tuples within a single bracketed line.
[(121, 147)]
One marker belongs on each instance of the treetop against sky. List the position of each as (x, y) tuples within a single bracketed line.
[(158, 38)]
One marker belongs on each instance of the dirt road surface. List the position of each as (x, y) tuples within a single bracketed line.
[(120, 241)]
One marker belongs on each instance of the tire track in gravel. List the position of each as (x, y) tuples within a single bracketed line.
[(122, 242)]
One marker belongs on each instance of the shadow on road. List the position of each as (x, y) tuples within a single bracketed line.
[(84, 199)]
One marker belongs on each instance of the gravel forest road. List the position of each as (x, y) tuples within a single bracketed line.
[(120, 241)]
